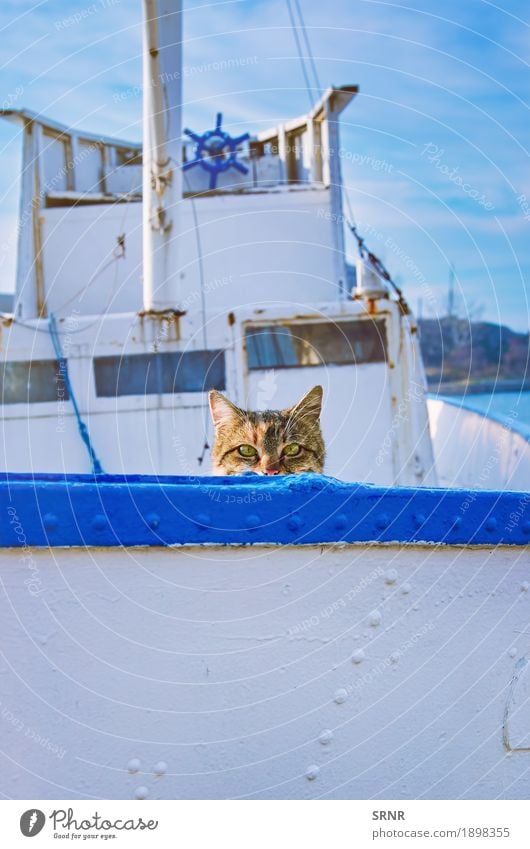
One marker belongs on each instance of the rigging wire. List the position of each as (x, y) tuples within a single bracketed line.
[(348, 204), (97, 468), (300, 54), (310, 56)]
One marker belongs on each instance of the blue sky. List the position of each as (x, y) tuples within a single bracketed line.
[(435, 145)]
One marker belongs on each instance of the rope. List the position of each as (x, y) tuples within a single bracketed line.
[(63, 366)]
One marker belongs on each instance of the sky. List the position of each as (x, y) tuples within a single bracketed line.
[(434, 148)]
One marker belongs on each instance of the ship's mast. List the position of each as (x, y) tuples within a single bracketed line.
[(162, 153)]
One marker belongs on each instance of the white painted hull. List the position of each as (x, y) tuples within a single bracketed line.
[(360, 670)]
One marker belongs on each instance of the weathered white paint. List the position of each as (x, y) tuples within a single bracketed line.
[(275, 248), (414, 458), (472, 450), (389, 668)]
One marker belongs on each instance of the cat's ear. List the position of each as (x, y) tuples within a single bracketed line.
[(221, 408), (310, 406)]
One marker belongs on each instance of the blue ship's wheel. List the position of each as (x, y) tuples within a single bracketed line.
[(216, 151)]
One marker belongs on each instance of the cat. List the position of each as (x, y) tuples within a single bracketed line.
[(273, 442)]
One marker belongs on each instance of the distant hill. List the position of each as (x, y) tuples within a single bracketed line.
[(456, 351)]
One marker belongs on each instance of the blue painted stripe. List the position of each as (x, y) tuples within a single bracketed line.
[(82, 510)]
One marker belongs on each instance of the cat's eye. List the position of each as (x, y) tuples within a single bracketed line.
[(292, 449), (247, 451)]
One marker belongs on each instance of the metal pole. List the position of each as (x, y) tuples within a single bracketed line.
[(451, 292), (162, 152)]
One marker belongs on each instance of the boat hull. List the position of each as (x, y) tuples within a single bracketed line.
[(474, 450)]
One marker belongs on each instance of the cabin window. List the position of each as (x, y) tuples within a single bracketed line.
[(316, 344), (33, 382), (155, 374), (128, 156)]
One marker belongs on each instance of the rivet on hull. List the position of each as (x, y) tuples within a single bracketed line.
[(312, 772)]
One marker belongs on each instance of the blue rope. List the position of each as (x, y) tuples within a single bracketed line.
[(63, 366)]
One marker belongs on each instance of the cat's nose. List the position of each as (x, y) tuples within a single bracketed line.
[(272, 471)]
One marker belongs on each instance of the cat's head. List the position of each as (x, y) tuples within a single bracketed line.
[(273, 442)]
